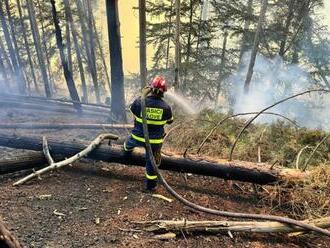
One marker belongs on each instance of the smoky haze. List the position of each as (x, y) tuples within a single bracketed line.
[(273, 80)]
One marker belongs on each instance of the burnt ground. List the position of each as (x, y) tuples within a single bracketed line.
[(94, 204)]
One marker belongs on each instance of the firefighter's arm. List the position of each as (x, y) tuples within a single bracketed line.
[(135, 107)]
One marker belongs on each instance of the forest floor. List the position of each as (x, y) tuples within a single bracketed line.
[(94, 204)]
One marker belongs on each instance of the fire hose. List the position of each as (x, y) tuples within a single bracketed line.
[(200, 208)]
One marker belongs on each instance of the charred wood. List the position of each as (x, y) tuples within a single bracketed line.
[(235, 170)]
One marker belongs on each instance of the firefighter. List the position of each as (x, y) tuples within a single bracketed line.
[(158, 114)]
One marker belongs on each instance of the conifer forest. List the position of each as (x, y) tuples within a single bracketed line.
[(164, 123)]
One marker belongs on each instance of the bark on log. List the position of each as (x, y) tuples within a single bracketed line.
[(22, 162), (63, 126), (235, 170), (225, 226), (7, 240)]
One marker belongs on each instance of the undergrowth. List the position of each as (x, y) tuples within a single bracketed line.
[(279, 142), (308, 199)]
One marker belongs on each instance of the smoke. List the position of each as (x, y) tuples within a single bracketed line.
[(5, 86), (273, 80)]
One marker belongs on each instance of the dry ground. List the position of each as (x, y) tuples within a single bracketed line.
[(63, 209)]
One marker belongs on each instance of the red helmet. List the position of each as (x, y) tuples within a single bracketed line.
[(158, 83)]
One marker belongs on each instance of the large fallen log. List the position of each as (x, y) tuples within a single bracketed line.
[(49, 108), (225, 226), (20, 98), (235, 170), (21, 162), (63, 126)]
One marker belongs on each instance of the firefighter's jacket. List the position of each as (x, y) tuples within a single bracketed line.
[(158, 113)]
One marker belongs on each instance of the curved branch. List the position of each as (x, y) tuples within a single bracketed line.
[(46, 151), (315, 149), (240, 114), (298, 156), (209, 210), (269, 107)]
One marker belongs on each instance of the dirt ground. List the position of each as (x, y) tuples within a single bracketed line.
[(95, 204)]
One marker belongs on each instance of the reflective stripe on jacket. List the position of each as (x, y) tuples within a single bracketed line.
[(158, 113)]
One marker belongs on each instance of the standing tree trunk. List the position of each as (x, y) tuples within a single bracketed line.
[(45, 49), (77, 49), (84, 36), (36, 39), (189, 39), (191, 12), (68, 44), (295, 54), (244, 44), (304, 26), (117, 75), (92, 51), (6, 57), (177, 46), (255, 45), (17, 71), (169, 34), (67, 73), (84, 30), (222, 65), (22, 83), (143, 47), (287, 27), (9, 69), (27, 47), (98, 40)]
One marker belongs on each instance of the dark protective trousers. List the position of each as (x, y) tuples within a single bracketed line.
[(151, 177)]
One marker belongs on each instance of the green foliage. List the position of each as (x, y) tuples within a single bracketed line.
[(279, 142), (292, 30)]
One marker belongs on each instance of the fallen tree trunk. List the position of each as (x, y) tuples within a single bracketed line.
[(51, 108), (225, 226), (36, 99), (63, 126), (22, 162), (59, 109), (7, 240), (236, 170)]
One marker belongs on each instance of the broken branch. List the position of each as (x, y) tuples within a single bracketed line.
[(225, 226), (65, 162)]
